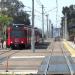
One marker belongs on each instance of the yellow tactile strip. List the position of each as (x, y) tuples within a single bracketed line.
[(69, 48)]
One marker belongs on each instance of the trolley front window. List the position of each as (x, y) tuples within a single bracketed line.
[(18, 34)]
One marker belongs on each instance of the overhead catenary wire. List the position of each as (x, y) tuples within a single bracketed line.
[(39, 2), (34, 9), (39, 11), (50, 10), (42, 6), (38, 17)]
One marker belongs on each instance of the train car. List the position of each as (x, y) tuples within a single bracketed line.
[(19, 36), (38, 35)]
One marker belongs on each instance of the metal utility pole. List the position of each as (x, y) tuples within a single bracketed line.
[(49, 28), (52, 30), (63, 30), (42, 23), (33, 37), (56, 12), (47, 25), (66, 31)]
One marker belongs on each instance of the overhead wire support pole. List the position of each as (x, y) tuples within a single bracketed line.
[(63, 30), (42, 24), (56, 11), (33, 36), (49, 28), (66, 31), (47, 25), (52, 30)]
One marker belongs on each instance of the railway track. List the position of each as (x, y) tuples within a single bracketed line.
[(4, 55), (58, 62), (3, 52), (21, 64)]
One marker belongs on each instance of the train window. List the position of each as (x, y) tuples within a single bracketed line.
[(29, 33), (18, 34)]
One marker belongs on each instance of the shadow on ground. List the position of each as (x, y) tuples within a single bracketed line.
[(37, 46), (42, 45)]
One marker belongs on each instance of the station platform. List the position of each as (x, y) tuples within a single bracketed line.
[(70, 46)]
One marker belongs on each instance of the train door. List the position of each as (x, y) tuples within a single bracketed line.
[(8, 31), (28, 36), (35, 36)]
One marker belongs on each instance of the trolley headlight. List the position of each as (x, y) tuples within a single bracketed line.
[(11, 42), (22, 42)]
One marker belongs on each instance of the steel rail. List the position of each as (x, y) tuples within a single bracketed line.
[(5, 52), (7, 59), (8, 56), (49, 57), (68, 61), (46, 69)]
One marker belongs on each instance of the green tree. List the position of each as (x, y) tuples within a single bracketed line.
[(4, 22), (14, 9), (22, 17), (70, 18)]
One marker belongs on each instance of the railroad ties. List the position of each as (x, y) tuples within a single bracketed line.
[(57, 65), (59, 62)]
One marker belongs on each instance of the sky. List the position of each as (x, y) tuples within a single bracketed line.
[(48, 5)]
